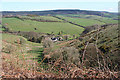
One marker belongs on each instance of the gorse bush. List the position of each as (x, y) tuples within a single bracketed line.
[(67, 55), (31, 36), (72, 55), (47, 42)]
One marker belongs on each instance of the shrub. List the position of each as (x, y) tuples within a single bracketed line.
[(31, 36), (90, 57), (22, 41), (68, 55), (7, 30), (39, 39), (47, 42), (90, 28), (104, 48), (9, 49)]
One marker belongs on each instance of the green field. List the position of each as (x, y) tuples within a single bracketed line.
[(88, 20), (44, 27), (82, 21), (50, 18)]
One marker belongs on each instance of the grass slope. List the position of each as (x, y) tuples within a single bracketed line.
[(107, 39), (10, 41)]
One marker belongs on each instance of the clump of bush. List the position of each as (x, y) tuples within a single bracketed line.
[(31, 36), (67, 55), (89, 29), (20, 41), (104, 48), (9, 49), (6, 29), (47, 42)]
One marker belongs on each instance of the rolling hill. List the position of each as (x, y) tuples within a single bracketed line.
[(56, 12)]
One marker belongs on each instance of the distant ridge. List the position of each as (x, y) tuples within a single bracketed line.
[(56, 12)]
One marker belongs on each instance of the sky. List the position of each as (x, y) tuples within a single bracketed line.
[(39, 5)]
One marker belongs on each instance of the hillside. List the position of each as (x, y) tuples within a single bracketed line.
[(60, 44), (62, 52)]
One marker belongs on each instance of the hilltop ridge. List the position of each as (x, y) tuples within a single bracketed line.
[(64, 11)]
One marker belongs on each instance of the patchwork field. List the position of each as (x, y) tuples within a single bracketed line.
[(44, 27)]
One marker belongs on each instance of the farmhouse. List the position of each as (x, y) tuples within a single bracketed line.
[(54, 39)]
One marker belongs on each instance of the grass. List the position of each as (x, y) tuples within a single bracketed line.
[(88, 20), (82, 21), (9, 38), (25, 55), (44, 27), (13, 38), (108, 21), (42, 18), (22, 48)]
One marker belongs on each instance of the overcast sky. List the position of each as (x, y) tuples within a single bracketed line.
[(38, 5), (60, 0)]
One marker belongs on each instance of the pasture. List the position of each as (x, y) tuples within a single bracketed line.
[(88, 20), (15, 24), (50, 18)]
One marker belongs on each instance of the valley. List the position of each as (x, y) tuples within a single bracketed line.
[(60, 44)]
